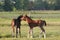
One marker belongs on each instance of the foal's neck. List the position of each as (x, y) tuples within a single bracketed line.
[(29, 20)]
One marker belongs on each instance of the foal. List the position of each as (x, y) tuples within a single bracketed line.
[(17, 23), (34, 23)]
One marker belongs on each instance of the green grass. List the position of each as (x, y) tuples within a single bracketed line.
[(52, 30)]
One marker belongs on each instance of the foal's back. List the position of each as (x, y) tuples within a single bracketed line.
[(36, 23)]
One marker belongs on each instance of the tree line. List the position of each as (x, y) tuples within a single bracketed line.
[(10, 5)]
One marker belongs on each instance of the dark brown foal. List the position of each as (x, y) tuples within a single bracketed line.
[(17, 23)]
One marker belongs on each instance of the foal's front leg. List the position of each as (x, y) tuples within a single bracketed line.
[(16, 32), (30, 33), (19, 32)]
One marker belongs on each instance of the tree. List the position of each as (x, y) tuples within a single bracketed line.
[(21, 4), (39, 4), (18, 4), (25, 4), (57, 7), (1, 6), (8, 6)]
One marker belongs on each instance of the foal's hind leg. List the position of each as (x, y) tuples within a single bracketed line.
[(13, 29), (43, 31), (40, 34)]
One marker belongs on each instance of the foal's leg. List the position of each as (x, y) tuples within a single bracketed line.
[(43, 32), (16, 32), (40, 34), (19, 32), (30, 33), (13, 29)]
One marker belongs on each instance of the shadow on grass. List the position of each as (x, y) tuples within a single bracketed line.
[(25, 36), (10, 36), (6, 36), (48, 35)]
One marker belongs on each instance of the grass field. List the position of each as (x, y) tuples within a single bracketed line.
[(52, 28)]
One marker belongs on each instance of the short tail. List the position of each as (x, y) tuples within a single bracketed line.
[(44, 22)]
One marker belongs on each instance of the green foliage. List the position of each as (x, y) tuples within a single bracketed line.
[(45, 4), (57, 4), (8, 5), (39, 4), (18, 4), (21, 4), (1, 6), (25, 5)]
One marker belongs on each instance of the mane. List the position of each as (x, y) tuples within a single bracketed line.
[(29, 17), (19, 17)]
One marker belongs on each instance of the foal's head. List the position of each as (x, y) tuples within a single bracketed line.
[(25, 17), (20, 17)]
